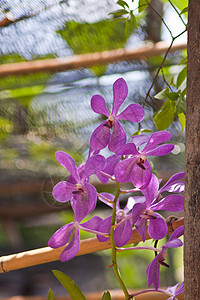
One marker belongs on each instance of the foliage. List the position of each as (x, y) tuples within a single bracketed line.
[(94, 37)]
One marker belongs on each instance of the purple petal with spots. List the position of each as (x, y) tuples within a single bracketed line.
[(67, 161), (104, 227), (153, 271), (157, 138), (161, 150), (157, 227), (61, 236), (91, 197), (118, 137), (100, 137), (133, 113), (141, 177), (124, 169), (111, 163), (123, 233), (120, 92), (137, 210), (94, 165), (92, 223), (139, 140), (72, 248), (172, 202), (141, 227), (128, 149), (62, 191), (80, 207), (98, 105), (151, 189)]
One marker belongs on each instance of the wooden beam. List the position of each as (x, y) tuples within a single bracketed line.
[(47, 254), (87, 60)]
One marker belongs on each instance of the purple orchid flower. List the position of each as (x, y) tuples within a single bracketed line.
[(123, 230), (77, 186), (175, 290), (145, 207), (136, 167), (153, 268), (62, 236), (102, 135)]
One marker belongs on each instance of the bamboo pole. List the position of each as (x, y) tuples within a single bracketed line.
[(47, 254), (115, 295), (87, 60)]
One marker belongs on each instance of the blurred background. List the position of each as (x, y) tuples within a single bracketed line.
[(41, 113)]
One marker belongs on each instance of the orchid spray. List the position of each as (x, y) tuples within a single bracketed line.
[(128, 162)]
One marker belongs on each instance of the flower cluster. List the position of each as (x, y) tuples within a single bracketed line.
[(128, 163)]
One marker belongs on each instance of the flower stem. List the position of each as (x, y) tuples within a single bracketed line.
[(114, 255)]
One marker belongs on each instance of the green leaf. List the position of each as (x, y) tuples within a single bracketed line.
[(51, 295), (165, 115), (185, 10), (142, 5), (119, 12), (162, 94), (133, 20), (172, 95), (181, 77), (106, 296), (183, 61), (181, 105), (122, 3), (143, 130), (70, 286), (181, 117)]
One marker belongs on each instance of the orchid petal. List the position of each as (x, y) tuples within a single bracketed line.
[(124, 169), (139, 140), (94, 165), (67, 161), (157, 227), (139, 177), (172, 202), (72, 248), (98, 105), (61, 236), (160, 150), (133, 113), (137, 210), (123, 233), (153, 271), (177, 233), (157, 138), (131, 202), (141, 227), (118, 137), (104, 227), (80, 207), (111, 163), (120, 92), (180, 289), (128, 149), (91, 197), (174, 184), (100, 137), (62, 191), (110, 197), (92, 223), (151, 189)]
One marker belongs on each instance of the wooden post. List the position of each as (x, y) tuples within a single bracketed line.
[(192, 164)]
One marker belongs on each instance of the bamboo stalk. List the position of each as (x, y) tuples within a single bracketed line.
[(115, 295), (47, 254), (87, 60)]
